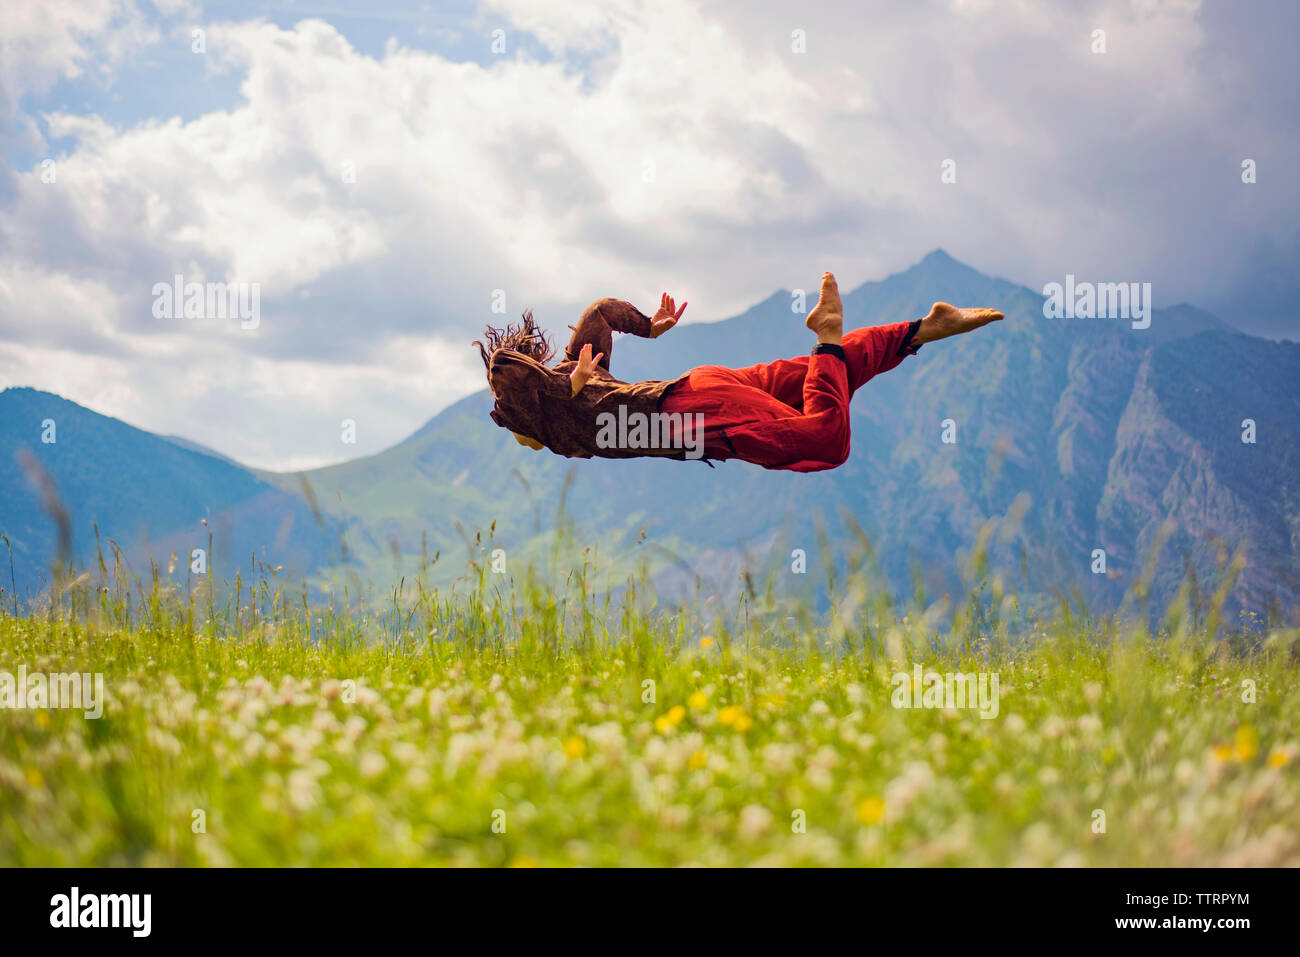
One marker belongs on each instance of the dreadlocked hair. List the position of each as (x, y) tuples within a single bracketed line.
[(525, 336)]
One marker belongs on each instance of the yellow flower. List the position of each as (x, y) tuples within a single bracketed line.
[(671, 719), (706, 642), (1277, 759), (1222, 752), (35, 779), (727, 716), (42, 719), (743, 722), (575, 747), (1247, 742), (698, 760), (698, 700), (871, 810)]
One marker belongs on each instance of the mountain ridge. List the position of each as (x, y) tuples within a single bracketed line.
[(1060, 424)]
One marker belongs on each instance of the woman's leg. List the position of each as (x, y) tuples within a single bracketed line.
[(730, 418), (793, 413), (868, 352)]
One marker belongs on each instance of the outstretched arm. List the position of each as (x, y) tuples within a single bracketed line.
[(604, 317)]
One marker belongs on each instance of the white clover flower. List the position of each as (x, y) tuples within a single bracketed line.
[(1053, 727), (417, 779), (754, 821), (779, 758), (367, 697), (372, 765), (405, 753), (302, 790)]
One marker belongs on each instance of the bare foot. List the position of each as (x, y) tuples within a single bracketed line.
[(945, 320), (827, 317)]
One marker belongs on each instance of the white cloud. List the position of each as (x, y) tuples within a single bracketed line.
[(43, 41)]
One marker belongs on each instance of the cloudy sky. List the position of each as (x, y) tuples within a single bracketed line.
[(387, 172)]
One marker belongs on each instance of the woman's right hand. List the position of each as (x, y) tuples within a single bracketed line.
[(584, 369)]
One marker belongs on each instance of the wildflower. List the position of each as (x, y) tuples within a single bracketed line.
[(1247, 742), (1277, 759), (698, 700), (675, 816), (253, 745), (754, 820), (670, 719), (372, 765), (406, 753), (733, 717), (871, 811), (697, 760), (302, 789), (706, 642), (1052, 728), (413, 698), (575, 747), (780, 758)]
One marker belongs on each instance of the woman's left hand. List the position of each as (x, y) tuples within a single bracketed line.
[(666, 317)]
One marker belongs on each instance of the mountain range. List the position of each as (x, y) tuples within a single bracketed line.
[(1172, 450)]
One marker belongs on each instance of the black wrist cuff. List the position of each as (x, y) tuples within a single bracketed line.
[(908, 347), (830, 348)]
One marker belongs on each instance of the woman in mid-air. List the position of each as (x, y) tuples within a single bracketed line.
[(790, 414)]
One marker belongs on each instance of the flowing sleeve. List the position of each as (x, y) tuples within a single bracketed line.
[(599, 322)]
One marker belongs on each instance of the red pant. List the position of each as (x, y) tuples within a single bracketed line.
[(790, 414)]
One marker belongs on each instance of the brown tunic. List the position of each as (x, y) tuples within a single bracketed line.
[(538, 402)]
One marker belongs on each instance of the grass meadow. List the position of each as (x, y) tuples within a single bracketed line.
[(538, 721)]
